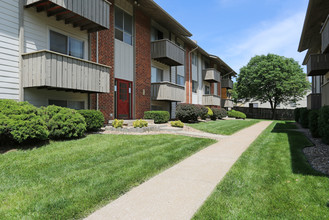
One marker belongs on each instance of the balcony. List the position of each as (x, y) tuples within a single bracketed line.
[(325, 36), (211, 100), (167, 52), (227, 83), (47, 69), (325, 94), (227, 103), (314, 101), (211, 75), (88, 15), (167, 91), (318, 64)]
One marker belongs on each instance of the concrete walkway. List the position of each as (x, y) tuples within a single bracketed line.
[(180, 191)]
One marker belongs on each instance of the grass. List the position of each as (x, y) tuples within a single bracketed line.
[(223, 127), (71, 179), (271, 180)]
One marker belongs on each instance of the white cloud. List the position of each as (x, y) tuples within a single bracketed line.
[(280, 37)]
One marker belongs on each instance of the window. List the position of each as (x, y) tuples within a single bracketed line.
[(68, 104), (156, 75), (194, 86), (66, 45), (123, 26), (207, 90), (156, 34), (61, 103), (194, 59), (206, 64), (180, 80)]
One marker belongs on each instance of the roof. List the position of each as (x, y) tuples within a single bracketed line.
[(162, 17), (316, 14)]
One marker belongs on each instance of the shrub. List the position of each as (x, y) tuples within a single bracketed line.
[(64, 123), (297, 114), (20, 122), (236, 114), (215, 114), (222, 113), (140, 124), (202, 111), (117, 123), (304, 117), (324, 124), (177, 124), (94, 119), (313, 118), (159, 117), (188, 112), (209, 113)]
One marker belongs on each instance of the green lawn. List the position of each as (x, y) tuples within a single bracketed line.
[(223, 127), (271, 180), (71, 179)]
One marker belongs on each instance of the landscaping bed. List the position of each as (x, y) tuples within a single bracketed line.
[(271, 180), (71, 179)]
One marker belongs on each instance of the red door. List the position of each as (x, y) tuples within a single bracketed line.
[(123, 99)]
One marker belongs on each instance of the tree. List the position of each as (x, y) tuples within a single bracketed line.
[(274, 79)]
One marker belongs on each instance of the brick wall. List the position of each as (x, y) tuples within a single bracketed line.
[(106, 57), (219, 89), (188, 84), (212, 88), (143, 64)]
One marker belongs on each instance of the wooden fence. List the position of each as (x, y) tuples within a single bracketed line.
[(266, 113)]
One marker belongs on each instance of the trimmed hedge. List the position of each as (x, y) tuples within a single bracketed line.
[(304, 117), (94, 119), (313, 118), (188, 112), (64, 123), (324, 123), (203, 111), (159, 117), (236, 114), (219, 113), (20, 122), (297, 114)]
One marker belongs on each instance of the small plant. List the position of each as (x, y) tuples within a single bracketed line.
[(177, 124), (117, 123), (140, 123), (159, 117), (210, 112)]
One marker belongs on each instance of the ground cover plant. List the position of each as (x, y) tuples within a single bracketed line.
[(71, 179), (271, 180), (223, 127)]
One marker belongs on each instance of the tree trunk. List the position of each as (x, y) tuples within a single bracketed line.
[(274, 113)]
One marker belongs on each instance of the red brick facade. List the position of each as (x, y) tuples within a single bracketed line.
[(106, 57), (143, 64)]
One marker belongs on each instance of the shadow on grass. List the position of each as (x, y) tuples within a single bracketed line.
[(297, 142)]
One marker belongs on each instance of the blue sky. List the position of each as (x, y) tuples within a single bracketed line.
[(237, 30)]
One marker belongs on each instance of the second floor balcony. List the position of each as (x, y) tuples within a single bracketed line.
[(167, 91), (318, 64), (167, 52), (211, 100), (48, 69), (211, 75), (88, 15), (227, 103), (227, 83), (325, 94)]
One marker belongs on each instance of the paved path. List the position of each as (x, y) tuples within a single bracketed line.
[(178, 192)]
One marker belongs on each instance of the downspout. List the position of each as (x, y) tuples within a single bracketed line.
[(190, 70), (97, 98)]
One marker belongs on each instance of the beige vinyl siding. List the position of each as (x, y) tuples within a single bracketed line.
[(36, 31), (9, 49), (123, 61)]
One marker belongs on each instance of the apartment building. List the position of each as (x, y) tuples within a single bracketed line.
[(122, 57), (315, 39), (44, 51)]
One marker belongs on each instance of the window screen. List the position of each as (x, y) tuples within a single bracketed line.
[(123, 26), (58, 42), (194, 86), (207, 90), (180, 80), (156, 75)]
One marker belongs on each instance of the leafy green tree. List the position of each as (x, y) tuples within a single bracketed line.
[(234, 93), (274, 79)]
